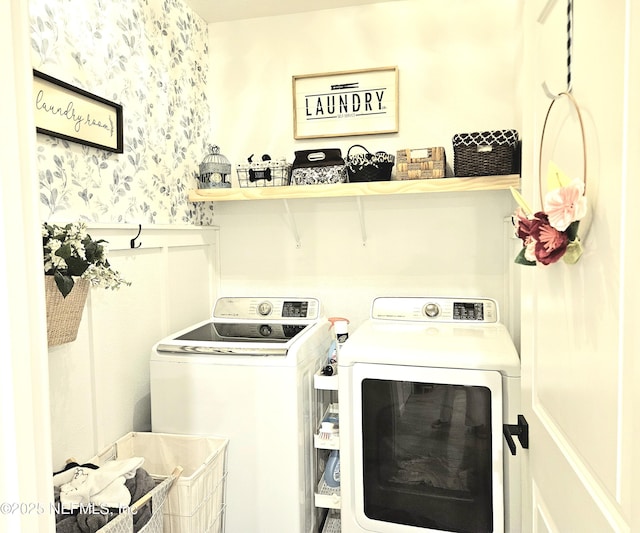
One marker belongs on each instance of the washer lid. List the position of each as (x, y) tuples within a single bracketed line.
[(247, 326), (243, 332), (229, 338)]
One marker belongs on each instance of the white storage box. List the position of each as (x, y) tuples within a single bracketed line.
[(196, 501)]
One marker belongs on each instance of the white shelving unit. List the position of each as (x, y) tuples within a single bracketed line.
[(326, 497)]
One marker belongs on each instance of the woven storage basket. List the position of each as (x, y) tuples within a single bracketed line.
[(421, 163), (64, 314), (486, 153), (368, 166)]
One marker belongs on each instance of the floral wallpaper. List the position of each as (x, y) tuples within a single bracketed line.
[(151, 57)]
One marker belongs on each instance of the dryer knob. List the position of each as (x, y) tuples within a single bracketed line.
[(431, 310), (265, 308)]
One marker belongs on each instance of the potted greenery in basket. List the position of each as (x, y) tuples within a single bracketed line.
[(72, 262)]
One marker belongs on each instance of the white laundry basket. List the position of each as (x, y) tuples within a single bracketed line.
[(195, 501), (123, 523)]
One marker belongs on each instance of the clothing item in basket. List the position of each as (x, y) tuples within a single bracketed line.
[(103, 486), (91, 518), (138, 486), (72, 464), (313, 167), (84, 522), (367, 166)]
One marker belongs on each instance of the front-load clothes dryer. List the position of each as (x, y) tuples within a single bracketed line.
[(425, 386), (247, 374)]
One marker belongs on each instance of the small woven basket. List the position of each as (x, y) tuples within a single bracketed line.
[(421, 163), (64, 314)]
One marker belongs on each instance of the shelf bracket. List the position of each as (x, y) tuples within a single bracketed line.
[(292, 223), (363, 228)]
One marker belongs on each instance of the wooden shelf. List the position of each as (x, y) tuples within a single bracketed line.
[(370, 188)]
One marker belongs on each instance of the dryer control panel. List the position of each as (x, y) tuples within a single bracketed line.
[(436, 309)]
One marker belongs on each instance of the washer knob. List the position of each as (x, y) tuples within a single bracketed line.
[(432, 310), (265, 330), (264, 308)]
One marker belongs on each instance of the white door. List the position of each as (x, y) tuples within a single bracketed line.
[(580, 353), (25, 444)]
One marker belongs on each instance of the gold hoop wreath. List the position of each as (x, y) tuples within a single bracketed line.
[(551, 234)]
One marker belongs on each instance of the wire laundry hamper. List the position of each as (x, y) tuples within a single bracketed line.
[(123, 523), (197, 501)]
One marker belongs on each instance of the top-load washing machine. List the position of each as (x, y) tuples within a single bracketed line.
[(425, 386), (247, 374)]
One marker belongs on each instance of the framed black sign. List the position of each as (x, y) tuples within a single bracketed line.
[(76, 115)]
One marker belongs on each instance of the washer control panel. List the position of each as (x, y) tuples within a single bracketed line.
[(249, 308), (436, 309)]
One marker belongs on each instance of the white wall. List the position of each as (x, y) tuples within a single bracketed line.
[(630, 340), (100, 382), (458, 63), (456, 74), (439, 245), (150, 56)]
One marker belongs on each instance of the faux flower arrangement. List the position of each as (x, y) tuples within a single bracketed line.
[(70, 251), (552, 234)]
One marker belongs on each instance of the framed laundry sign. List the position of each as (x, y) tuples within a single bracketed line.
[(352, 102), (74, 114)]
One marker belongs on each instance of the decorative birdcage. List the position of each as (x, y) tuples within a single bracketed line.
[(215, 170)]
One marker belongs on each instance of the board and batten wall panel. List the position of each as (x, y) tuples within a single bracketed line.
[(100, 383)]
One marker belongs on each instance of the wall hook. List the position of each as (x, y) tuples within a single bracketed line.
[(133, 241)]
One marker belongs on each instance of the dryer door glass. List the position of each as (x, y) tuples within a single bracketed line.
[(428, 457)]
